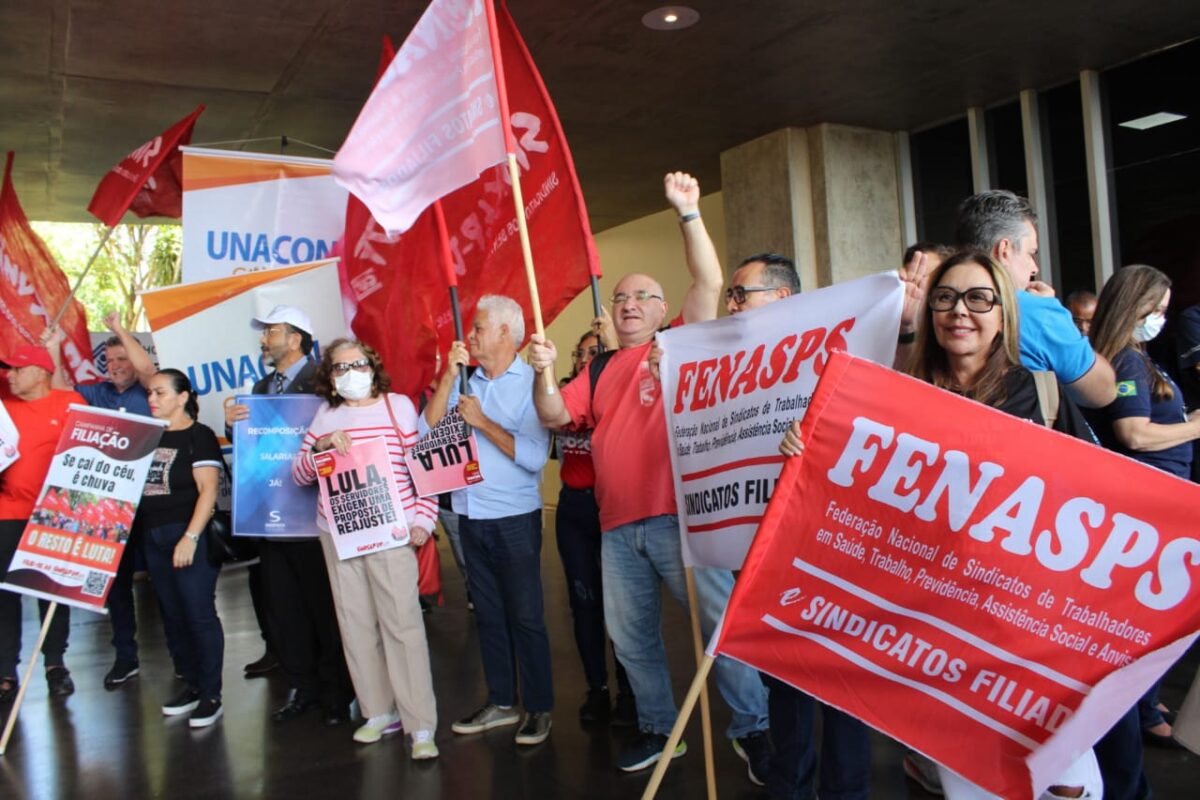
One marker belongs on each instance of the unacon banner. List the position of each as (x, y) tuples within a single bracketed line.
[(732, 386), (987, 591), (204, 328), (70, 550), (245, 212)]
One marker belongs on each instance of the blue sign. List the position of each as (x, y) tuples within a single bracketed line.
[(266, 501)]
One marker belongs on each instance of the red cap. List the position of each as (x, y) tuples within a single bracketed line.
[(28, 355)]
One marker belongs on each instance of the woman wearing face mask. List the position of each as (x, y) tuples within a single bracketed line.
[(1147, 420), (375, 595)]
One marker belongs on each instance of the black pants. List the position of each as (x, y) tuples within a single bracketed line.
[(10, 612), (577, 529), (121, 612), (302, 621), (258, 594)]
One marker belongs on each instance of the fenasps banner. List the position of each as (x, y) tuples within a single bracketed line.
[(71, 547), (246, 212), (361, 500), (988, 592), (204, 328), (730, 389), (447, 458), (266, 501)]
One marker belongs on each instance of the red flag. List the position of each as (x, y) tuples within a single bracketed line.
[(403, 308), (148, 180), (33, 288)]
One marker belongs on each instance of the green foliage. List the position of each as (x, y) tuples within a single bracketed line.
[(135, 258)]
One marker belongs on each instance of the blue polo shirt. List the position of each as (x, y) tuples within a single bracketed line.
[(1050, 341), (510, 486), (106, 395)]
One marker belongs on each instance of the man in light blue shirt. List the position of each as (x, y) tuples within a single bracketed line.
[(500, 522)]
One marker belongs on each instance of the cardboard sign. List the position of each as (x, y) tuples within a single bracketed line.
[(266, 501), (361, 500), (10, 439), (447, 458)]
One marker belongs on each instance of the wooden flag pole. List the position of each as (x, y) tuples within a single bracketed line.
[(685, 713), (27, 677), (705, 710), (95, 254)]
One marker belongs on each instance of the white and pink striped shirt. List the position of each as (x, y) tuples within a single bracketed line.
[(371, 422)]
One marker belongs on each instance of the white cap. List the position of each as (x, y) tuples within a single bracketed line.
[(284, 314)]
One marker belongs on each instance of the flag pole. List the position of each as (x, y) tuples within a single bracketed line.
[(79, 282), (596, 310), (514, 174), (447, 261), (685, 713), (27, 677), (705, 709)]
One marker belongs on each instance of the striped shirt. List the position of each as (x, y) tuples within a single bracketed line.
[(370, 422)]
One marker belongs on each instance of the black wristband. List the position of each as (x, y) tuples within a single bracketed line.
[(907, 338), (689, 217)]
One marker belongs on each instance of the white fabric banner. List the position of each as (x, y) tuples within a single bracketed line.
[(204, 328), (244, 212), (732, 386), (10, 439)]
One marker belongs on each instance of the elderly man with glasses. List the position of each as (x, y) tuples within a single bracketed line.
[(640, 547)]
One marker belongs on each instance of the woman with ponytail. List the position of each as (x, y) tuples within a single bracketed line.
[(177, 502)]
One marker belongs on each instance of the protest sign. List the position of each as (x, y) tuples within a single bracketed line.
[(732, 386), (266, 501), (10, 439), (204, 328), (71, 547), (247, 212), (446, 459), (361, 500), (950, 575)]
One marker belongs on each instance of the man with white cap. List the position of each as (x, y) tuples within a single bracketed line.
[(293, 601), (37, 412)]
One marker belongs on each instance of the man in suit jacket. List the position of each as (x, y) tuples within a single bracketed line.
[(301, 629)]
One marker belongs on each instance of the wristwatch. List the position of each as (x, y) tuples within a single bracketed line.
[(195, 537)]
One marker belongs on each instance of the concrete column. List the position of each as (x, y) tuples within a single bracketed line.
[(827, 196)]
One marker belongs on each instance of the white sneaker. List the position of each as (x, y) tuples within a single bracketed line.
[(423, 746), (376, 727)]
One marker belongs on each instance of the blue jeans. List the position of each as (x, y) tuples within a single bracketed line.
[(845, 770), (505, 581), (187, 598), (636, 559), (121, 612), (1119, 753)]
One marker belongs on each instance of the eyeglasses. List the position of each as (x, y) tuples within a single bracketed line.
[(342, 367), (979, 299), (267, 333), (737, 293), (641, 295), (590, 352)]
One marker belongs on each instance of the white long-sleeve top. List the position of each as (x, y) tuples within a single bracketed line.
[(370, 422)]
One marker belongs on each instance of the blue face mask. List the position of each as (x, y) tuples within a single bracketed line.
[(1150, 327)]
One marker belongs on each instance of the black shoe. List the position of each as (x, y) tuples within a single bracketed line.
[(295, 706), (624, 713), (264, 665), (645, 750), (183, 703), (206, 713), (8, 689), (333, 716), (121, 671), (755, 750), (595, 706), (1167, 742), (59, 683)]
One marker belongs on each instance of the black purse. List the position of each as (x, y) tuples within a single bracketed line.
[(218, 539)]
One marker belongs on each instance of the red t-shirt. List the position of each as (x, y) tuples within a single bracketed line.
[(39, 424), (629, 438), (575, 469)]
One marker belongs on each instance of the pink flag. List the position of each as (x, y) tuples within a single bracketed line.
[(432, 124)]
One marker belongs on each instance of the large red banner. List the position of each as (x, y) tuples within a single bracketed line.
[(33, 289), (989, 592), (398, 285)]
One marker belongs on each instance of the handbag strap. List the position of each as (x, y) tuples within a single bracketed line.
[(387, 402)]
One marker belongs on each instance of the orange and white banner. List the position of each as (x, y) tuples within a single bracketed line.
[(204, 328), (246, 212), (988, 592)]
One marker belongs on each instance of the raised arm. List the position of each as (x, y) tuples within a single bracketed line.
[(439, 403), (142, 364), (551, 410), (704, 295)]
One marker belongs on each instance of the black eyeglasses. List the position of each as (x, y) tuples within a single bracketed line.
[(590, 352), (737, 293), (979, 299), (341, 368), (641, 295)]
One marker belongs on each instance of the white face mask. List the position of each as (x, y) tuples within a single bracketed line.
[(354, 385), (1150, 327)]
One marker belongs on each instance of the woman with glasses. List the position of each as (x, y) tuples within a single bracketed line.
[(967, 344), (1147, 421), (375, 595)]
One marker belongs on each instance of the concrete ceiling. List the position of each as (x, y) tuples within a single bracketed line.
[(82, 82)]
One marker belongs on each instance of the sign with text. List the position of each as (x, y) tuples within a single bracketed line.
[(731, 388), (948, 574), (71, 547), (446, 459), (266, 501), (10, 439), (361, 500)]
